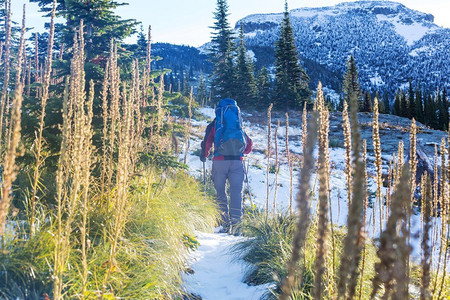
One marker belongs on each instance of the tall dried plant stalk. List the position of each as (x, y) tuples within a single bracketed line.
[(187, 133), (378, 162), (303, 206), (7, 63), (29, 78), (114, 113), (446, 209), (125, 169), (443, 199), (277, 168), (366, 204), (348, 151), (159, 105), (269, 150), (304, 127), (9, 162), (413, 167), (73, 175), (390, 182), (400, 162), (88, 150), (391, 271), (39, 141), (436, 228), (353, 241), (426, 251), (105, 117), (36, 57), (322, 230), (290, 165), (149, 50)]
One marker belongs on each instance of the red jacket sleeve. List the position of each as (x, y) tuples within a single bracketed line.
[(208, 141), (249, 146)]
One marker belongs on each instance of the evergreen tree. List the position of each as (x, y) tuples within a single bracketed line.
[(386, 104), (223, 76), (403, 105), (412, 111), (445, 106), (291, 80), (264, 88), (431, 119), (397, 106), (141, 49), (101, 24), (442, 116), (351, 84), (367, 106), (186, 84), (419, 105), (202, 92), (245, 78)]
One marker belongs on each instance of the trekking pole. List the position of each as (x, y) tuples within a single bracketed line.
[(246, 166), (204, 179)]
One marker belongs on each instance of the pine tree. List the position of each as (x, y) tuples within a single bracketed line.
[(419, 105), (291, 90), (101, 24), (397, 105), (264, 88), (386, 104), (445, 106), (367, 106), (404, 105), (202, 92), (351, 84), (245, 78), (222, 54), (186, 84), (442, 116), (412, 110)]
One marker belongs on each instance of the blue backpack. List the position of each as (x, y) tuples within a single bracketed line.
[(230, 139)]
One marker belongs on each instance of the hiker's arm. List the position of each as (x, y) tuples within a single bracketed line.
[(249, 146), (207, 141)]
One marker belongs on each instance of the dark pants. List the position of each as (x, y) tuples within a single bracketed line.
[(233, 170)]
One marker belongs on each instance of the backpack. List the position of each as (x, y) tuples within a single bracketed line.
[(230, 139)]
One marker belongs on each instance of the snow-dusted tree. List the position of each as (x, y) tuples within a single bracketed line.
[(291, 89), (351, 83), (222, 54), (419, 105), (412, 109), (245, 78), (202, 92), (367, 104), (264, 88)]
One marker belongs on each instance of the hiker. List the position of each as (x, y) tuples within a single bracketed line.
[(230, 144)]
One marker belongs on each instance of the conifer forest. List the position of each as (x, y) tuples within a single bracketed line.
[(103, 195)]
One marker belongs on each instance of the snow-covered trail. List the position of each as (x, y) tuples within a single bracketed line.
[(217, 275)]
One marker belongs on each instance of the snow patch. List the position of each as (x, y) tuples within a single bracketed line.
[(420, 51), (377, 80), (410, 32)]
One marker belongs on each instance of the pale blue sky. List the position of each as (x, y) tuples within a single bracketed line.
[(187, 21)]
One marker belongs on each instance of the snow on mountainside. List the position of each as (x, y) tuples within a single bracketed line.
[(390, 42)]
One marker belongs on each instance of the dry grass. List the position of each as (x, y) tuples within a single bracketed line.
[(303, 203), (324, 168), (14, 136), (269, 149)]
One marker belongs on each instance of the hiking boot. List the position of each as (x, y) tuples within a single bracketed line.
[(225, 228)]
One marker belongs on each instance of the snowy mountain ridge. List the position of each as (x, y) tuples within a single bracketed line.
[(390, 42)]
